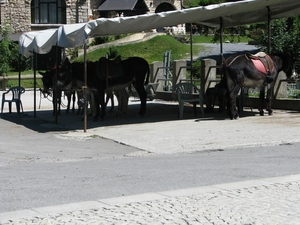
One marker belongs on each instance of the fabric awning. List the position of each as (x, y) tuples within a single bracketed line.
[(231, 13), (38, 41), (117, 5)]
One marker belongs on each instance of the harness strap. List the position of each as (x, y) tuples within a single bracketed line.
[(234, 60)]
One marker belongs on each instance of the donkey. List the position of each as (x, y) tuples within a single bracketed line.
[(134, 70), (48, 80), (260, 70)]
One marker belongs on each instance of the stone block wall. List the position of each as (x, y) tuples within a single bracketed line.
[(18, 13)]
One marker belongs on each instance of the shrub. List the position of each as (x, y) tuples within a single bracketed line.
[(10, 59)]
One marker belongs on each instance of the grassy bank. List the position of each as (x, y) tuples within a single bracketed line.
[(151, 50)]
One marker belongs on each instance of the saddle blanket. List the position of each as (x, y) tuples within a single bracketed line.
[(260, 66)]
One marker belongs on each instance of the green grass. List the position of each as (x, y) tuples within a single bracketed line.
[(25, 83), (151, 50), (16, 73)]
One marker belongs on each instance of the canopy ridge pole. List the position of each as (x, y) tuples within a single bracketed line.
[(269, 29), (84, 88)]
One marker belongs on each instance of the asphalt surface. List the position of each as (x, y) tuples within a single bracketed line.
[(213, 51), (265, 200)]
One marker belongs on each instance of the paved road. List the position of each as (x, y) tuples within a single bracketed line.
[(266, 199), (213, 50)]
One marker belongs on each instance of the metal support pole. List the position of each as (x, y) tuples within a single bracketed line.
[(84, 88), (34, 83), (269, 30), (77, 12), (55, 90), (221, 39), (19, 68), (191, 48)]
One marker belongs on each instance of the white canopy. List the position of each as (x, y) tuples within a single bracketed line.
[(37, 41), (232, 14)]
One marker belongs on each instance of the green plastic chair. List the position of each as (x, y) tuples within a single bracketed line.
[(186, 93)]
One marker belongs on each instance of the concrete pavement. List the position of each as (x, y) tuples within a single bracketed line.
[(161, 132), (265, 201)]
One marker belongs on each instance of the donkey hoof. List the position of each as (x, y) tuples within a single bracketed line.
[(270, 112), (261, 113)]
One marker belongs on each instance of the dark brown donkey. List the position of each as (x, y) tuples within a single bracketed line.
[(260, 70), (134, 70)]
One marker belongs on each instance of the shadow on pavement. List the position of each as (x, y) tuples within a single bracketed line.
[(156, 112)]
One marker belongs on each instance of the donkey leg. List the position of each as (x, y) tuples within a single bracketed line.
[(112, 102), (126, 99), (68, 94), (74, 100), (143, 97), (79, 102), (269, 99), (261, 101), (110, 95), (118, 95), (124, 96), (233, 96), (100, 102), (233, 110)]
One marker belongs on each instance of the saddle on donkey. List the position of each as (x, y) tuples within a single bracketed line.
[(263, 63)]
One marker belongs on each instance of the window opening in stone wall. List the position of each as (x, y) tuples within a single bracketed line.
[(48, 12)]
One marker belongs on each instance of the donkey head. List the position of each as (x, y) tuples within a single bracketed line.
[(47, 80)]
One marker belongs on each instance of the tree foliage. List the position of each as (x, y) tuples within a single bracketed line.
[(4, 50), (10, 59), (285, 32), (285, 36)]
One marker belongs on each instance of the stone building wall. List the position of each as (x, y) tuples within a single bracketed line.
[(17, 13)]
